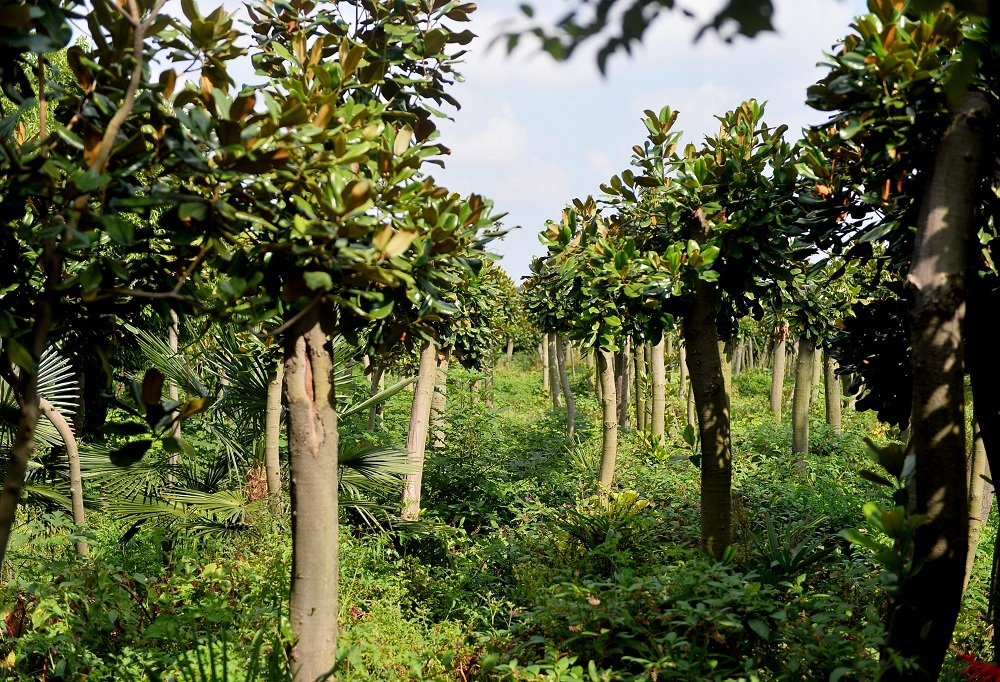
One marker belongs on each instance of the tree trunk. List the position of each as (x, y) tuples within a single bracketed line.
[(738, 358), (312, 463), (833, 406), (647, 356), (20, 453), (510, 351), (75, 478), (978, 467), (778, 378), (639, 372), (659, 400), (817, 372), (682, 386), (925, 615), (598, 386), (555, 388), (375, 411), (416, 439), (173, 336), (804, 365), (692, 418), (750, 363), (272, 432), (622, 384), (609, 415), (543, 351), (711, 397), (567, 393), (440, 399)]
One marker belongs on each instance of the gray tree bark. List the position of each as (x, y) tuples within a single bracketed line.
[(567, 393), (272, 432), (659, 401), (804, 369), (416, 438), (312, 455), (75, 477), (924, 617), (833, 399), (778, 378), (609, 416)]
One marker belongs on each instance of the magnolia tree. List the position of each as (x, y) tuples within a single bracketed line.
[(730, 203)]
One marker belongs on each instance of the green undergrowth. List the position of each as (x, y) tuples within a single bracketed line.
[(517, 571)]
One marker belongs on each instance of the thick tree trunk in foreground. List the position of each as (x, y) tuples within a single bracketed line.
[(609, 416), (567, 393), (832, 386), (711, 397), (924, 617), (272, 432), (439, 400), (312, 464), (804, 365), (659, 373), (778, 378), (75, 478), (416, 438)]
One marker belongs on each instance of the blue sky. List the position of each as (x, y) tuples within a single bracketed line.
[(533, 134)]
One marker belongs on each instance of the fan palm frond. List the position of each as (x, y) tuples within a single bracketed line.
[(368, 469), (158, 353)]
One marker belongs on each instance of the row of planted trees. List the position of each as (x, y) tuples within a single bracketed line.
[(138, 176), (867, 240)]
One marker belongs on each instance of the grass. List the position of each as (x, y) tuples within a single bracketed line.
[(519, 572)]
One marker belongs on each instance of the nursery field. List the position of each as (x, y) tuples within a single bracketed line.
[(516, 568)]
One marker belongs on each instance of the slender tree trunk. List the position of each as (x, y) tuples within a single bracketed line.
[(173, 336), (567, 393), (416, 439), (622, 384), (817, 372), (682, 387), (555, 389), (75, 478), (598, 386), (925, 615), (312, 459), (978, 467), (543, 351), (692, 417), (375, 411), (510, 351), (647, 356), (659, 371), (750, 363), (609, 415), (738, 358), (440, 399), (711, 397), (778, 378), (639, 372), (833, 402), (272, 432), (800, 398)]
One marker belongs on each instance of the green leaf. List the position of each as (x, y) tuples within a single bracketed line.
[(19, 355), (318, 281)]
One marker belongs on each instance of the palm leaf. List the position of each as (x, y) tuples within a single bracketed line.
[(173, 365)]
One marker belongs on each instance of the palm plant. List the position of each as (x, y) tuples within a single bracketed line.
[(206, 491), (47, 482)]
